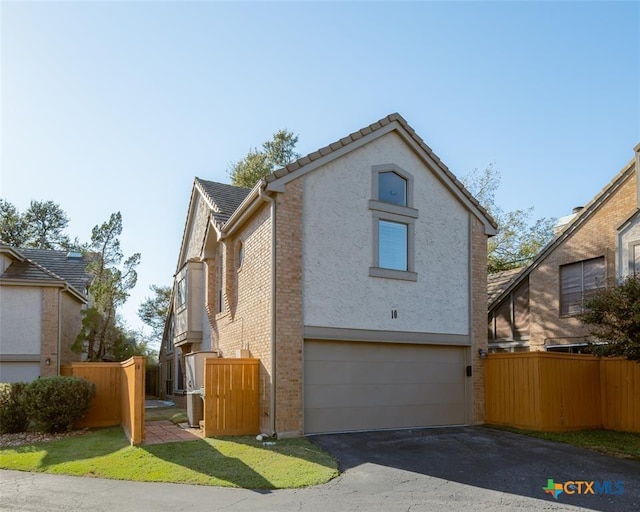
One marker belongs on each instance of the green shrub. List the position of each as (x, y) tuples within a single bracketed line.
[(55, 403), (13, 417)]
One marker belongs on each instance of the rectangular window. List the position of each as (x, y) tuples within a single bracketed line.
[(577, 282), (392, 240), (220, 276), (635, 260), (181, 294), (510, 319)]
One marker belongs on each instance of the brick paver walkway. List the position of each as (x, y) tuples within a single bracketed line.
[(158, 432)]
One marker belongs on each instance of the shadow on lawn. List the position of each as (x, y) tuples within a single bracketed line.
[(203, 458), (96, 443)]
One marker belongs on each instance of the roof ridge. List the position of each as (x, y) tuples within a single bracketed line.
[(204, 192), (572, 225), (352, 137)]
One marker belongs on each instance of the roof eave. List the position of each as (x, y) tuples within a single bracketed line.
[(571, 228), (277, 180)]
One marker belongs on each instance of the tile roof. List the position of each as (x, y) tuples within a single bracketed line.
[(345, 141), (49, 265), (225, 198), (498, 282)]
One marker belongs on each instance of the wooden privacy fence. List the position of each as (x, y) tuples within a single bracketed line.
[(231, 400), (561, 392), (119, 396)]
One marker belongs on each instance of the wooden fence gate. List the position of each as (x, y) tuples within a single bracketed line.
[(231, 401)]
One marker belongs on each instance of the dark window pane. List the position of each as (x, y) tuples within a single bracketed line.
[(577, 283), (521, 311), (503, 320), (392, 250), (392, 188)]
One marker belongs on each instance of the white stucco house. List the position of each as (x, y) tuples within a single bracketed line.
[(42, 293), (357, 275)]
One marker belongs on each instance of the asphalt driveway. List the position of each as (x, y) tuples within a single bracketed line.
[(495, 460), (454, 470)]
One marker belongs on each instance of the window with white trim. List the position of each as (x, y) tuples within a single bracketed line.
[(578, 281), (393, 223)]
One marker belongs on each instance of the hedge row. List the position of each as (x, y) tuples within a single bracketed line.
[(49, 404)]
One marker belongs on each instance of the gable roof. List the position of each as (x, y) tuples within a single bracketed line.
[(224, 199), (385, 125), (569, 229), (52, 266), (229, 204)]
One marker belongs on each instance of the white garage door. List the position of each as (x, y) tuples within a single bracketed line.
[(367, 386), (19, 371)]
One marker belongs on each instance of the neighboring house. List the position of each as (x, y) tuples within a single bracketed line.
[(42, 293), (536, 308), (354, 274)]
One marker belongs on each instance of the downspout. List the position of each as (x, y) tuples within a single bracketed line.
[(59, 331), (272, 395)]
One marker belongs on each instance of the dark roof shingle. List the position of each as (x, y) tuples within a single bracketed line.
[(224, 198), (50, 265), (498, 282)]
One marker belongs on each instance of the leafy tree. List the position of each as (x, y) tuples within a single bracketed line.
[(41, 226), (613, 315), (45, 224), (518, 240), (275, 153), (12, 226), (111, 280), (153, 311)]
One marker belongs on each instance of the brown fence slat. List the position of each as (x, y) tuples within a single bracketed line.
[(119, 396), (562, 392), (231, 404)]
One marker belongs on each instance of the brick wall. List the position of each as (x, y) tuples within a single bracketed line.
[(49, 343), (289, 316), (246, 320), (479, 313), (597, 237), (71, 316)]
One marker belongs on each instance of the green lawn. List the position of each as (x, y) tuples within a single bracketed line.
[(228, 462), (625, 445)]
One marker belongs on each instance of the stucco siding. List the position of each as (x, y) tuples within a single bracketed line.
[(197, 230), (338, 248), (20, 319)]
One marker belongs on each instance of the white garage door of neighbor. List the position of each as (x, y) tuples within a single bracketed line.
[(367, 386), (19, 371)]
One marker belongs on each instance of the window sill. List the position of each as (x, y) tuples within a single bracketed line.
[(393, 208), (385, 273)]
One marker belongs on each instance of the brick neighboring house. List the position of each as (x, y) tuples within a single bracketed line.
[(42, 293), (353, 274), (536, 307)]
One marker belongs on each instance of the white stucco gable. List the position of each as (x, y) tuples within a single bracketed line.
[(338, 238)]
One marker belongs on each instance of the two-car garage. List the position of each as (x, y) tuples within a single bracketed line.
[(353, 385)]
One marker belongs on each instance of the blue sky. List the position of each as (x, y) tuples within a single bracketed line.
[(116, 106)]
